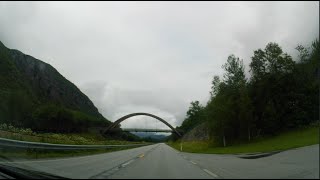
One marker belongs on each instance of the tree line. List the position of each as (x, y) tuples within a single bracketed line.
[(280, 94), (49, 118)]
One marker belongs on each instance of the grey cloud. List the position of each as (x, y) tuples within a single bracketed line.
[(151, 56), (115, 103)]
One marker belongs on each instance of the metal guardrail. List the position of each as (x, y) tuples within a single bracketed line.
[(35, 145)]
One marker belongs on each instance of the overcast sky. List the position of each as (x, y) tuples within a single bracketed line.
[(153, 57)]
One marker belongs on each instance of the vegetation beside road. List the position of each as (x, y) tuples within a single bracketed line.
[(7, 154), (288, 140), (280, 94), (11, 132)]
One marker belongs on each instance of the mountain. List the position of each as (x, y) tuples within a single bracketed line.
[(151, 137), (34, 94)]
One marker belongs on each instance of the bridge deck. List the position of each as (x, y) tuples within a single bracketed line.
[(146, 130)]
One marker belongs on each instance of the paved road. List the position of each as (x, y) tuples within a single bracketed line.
[(296, 163), (161, 161)]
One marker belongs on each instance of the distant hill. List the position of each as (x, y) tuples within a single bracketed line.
[(151, 137), (34, 94)]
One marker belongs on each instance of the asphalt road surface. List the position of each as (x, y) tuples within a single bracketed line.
[(161, 161)]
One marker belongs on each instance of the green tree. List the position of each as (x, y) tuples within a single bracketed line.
[(281, 94), (228, 108), (271, 71), (195, 115)]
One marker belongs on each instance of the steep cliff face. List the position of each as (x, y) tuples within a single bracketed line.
[(199, 133), (13, 91), (50, 86), (28, 84)]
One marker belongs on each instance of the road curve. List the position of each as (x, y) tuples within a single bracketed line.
[(162, 162)]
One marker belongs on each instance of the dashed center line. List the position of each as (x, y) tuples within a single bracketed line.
[(210, 173), (193, 162), (127, 163)]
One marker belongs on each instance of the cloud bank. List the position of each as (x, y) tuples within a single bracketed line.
[(152, 57)]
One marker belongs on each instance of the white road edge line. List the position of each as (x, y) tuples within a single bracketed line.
[(210, 173)]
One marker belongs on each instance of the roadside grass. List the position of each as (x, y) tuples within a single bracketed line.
[(288, 140), (73, 139), (14, 154), (10, 132)]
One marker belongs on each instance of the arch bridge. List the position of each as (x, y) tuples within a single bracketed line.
[(117, 122)]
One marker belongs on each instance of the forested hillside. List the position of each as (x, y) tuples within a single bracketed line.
[(35, 95), (281, 93)]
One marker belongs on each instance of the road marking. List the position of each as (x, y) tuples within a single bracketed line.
[(141, 156), (127, 163), (193, 162), (109, 172), (210, 173)]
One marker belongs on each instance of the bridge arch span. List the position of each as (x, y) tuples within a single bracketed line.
[(117, 122)]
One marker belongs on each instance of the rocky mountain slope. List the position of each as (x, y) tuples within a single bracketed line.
[(32, 91), (198, 133)]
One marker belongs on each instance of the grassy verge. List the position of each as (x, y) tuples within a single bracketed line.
[(7, 154), (288, 140), (10, 132), (74, 139), (54, 138)]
